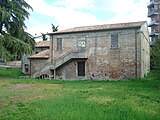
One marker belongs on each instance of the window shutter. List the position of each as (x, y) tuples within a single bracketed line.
[(114, 40), (59, 44)]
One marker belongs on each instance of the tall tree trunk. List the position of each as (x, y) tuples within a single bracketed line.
[(2, 4), (0, 41)]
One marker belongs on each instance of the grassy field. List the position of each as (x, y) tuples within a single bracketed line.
[(30, 99), (10, 73)]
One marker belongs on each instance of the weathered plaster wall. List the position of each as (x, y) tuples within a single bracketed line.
[(67, 71), (145, 51), (38, 64), (25, 61)]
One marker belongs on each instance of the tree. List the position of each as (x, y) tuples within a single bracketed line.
[(155, 55), (54, 29), (13, 38), (44, 37)]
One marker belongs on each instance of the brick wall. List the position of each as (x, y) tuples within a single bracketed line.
[(104, 63)]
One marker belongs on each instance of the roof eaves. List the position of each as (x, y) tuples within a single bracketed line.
[(70, 32)]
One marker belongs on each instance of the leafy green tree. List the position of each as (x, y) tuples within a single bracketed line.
[(13, 38), (44, 36), (155, 55)]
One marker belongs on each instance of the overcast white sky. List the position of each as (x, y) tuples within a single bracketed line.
[(72, 13)]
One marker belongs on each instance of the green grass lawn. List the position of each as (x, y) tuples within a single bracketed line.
[(31, 99), (8, 72)]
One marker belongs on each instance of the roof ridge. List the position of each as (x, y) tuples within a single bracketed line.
[(108, 24), (101, 27), (42, 54), (42, 43)]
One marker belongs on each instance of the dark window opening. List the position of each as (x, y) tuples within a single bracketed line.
[(26, 66), (81, 68), (37, 52), (114, 41), (59, 44), (44, 76)]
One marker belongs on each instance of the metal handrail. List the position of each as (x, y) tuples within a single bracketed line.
[(153, 11), (152, 2), (152, 22), (158, 21), (156, 31)]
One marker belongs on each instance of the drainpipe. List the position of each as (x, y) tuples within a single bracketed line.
[(51, 56), (51, 46), (54, 73), (136, 75), (30, 67)]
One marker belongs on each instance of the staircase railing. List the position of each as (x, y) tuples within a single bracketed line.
[(40, 69), (59, 61)]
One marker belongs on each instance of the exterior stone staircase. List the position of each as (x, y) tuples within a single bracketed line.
[(58, 62)]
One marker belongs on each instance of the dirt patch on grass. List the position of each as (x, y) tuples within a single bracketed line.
[(25, 87), (20, 87), (3, 81), (101, 100), (29, 92)]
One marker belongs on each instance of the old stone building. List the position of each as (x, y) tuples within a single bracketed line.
[(39, 47), (39, 60), (100, 52)]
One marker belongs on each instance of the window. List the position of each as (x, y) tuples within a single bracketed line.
[(81, 45), (26, 66), (59, 44), (156, 7), (114, 41), (81, 68)]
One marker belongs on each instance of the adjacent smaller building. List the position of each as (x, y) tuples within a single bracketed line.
[(39, 47), (38, 61)]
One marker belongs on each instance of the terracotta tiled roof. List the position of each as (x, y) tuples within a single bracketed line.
[(43, 54), (42, 44), (101, 27)]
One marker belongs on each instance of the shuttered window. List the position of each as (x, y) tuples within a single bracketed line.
[(81, 68), (114, 40), (59, 44)]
